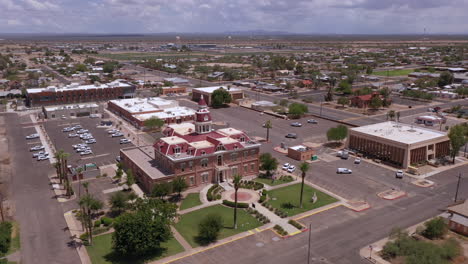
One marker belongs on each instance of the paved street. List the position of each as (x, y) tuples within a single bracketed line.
[(44, 236)]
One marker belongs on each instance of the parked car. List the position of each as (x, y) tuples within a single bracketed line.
[(84, 153), (343, 171), (68, 129), (125, 141), (40, 153), (79, 145), (291, 169), (77, 126), (82, 131), (90, 141), (118, 159), (94, 115), (39, 158), (117, 135), (36, 148), (72, 135), (291, 135), (399, 174), (357, 161), (113, 131), (312, 121), (32, 136), (296, 124), (285, 166)]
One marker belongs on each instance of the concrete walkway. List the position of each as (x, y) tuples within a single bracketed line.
[(276, 220), (45, 140), (208, 204), (181, 239), (76, 231), (203, 193)]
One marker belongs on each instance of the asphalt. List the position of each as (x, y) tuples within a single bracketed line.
[(44, 237)]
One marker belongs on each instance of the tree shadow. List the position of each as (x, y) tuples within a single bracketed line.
[(117, 258)]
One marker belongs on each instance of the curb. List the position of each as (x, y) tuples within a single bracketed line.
[(394, 198)]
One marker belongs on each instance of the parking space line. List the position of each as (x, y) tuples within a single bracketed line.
[(33, 143), (97, 156)]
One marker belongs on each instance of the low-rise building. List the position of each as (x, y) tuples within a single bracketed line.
[(430, 120), (399, 144), (169, 90), (196, 152), (206, 92), (363, 101), (75, 93), (67, 111), (458, 218), (300, 152), (137, 110)]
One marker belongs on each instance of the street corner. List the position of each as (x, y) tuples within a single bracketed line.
[(423, 183), (391, 194), (357, 206)]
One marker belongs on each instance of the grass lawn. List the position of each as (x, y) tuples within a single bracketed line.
[(15, 239), (101, 251), (192, 200), (394, 72), (291, 194), (268, 181), (188, 224)]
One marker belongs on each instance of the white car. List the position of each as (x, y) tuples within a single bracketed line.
[(117, 135), (312, 121), (90, 141), (32, 136), (285, 166), (357, 161), (296, 124), (68, 129), (291, 169), (35, 148), (399, 174), (81, 145), (125, 141), (40, 153), (72, 135), (343, 171), (84, 153), (113, 131), (39, 158)]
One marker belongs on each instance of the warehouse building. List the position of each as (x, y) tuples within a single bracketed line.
[(399, 144)]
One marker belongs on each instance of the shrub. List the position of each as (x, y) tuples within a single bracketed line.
[(280, 230), (106, 221), (295, 224), (100, 230), (218, 197), (5, 236), (97, 223), (208, 229), (232, 204), (435, 228)]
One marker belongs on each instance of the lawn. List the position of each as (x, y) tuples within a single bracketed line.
[(192, 200), (101, 251), (392, 73), (188, 224), (290, 194), (15, 239), (268, 181)]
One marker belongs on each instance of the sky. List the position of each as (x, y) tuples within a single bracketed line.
[(215, 16)]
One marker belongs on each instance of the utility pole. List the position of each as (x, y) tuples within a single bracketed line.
[(458, 186), (321, 104), (308, 249)]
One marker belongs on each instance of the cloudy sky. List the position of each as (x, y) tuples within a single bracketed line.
[(298, 16)]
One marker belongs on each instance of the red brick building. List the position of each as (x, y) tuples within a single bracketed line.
[(75, 93), (206, 92), (197, 153), (363, 101)]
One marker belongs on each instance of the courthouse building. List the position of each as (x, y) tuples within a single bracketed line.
[(400, 145)]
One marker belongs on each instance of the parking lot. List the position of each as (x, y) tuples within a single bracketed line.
[(105, 150)]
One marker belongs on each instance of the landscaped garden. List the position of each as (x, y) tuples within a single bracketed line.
[(283, 179), (101, 251), (286, 199), (192, 200), (188, 224)]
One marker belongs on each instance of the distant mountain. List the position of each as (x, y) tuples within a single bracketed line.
[(259, 32)]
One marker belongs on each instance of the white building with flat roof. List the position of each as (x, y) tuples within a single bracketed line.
[(399, 144)]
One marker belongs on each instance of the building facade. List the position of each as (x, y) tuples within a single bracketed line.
[(206, 92), (67, 111), (399, 144), (197, 153), (300, 153), (75, 93)]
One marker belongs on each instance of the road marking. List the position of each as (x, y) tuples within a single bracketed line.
[(97, 156), (31, 143), (295, 233), (319, 211), (256, 229), (250, 232)]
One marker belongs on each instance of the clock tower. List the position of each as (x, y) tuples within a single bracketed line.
[(203, 122)]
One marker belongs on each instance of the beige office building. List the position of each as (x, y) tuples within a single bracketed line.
[(398, 144)]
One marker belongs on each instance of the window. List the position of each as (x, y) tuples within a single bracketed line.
[(190, 164), (431, 147), (177, 149), (246, 154), (203, 152), (204, 163), (235, 147), (192, 180), (246, 168), (182, 166), (220, 147), (204, 177), (234, 156), (252, 152), (252, 166), (234, 171), (242, 139)]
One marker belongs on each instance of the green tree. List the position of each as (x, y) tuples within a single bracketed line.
[(296, 110), (6, 229), (337, 133), (153, 123), (220, 97), (89, 206), (161, 190), (457, 139), (209, 228), (445, 78), (109, 66), (268, 163), (179, 185), (284, 102), (141, 232), (369, 70), (130, 178), (236, 181), (343, 101), (268, 126), (81, 68), (304, 167), (376, 102), (435, 228), (89, 60), (118, 202), (391, 115), (94, 78), (344, 87)]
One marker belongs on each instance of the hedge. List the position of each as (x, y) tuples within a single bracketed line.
[(212, 193), (295, 224), (106, 221), (280, 230), (5, 236), (232, 204)]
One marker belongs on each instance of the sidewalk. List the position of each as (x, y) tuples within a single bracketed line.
[(45, 140), (276, 220), (208, 204), (181, 239), (76, 231)]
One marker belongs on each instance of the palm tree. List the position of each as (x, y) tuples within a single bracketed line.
[(236, 181), (304, 167), (58, 164), (89, 205), (268, 126), (397, 116), (86, 186), (391, 115)]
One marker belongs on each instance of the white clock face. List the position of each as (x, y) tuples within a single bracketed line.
[(206, 118)]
